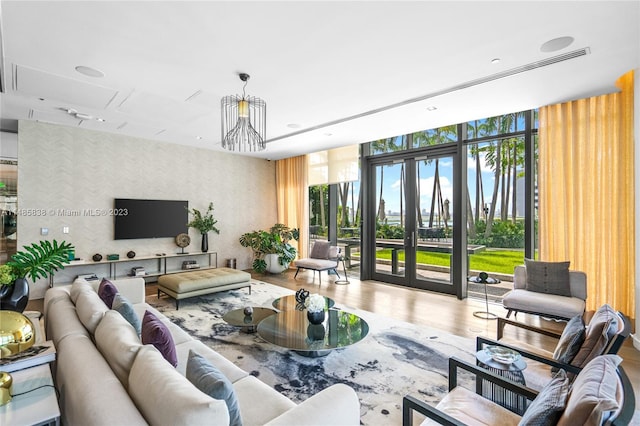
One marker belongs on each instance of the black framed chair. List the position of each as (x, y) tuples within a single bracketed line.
[(605, 334), (603, 394)]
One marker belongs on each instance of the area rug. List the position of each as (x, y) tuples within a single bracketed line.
[(395, 359)]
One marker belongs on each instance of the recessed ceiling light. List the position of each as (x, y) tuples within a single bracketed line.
[(495, 61), (293, 126), (199, 137), (556, 44), (432, 108), (88, 71)]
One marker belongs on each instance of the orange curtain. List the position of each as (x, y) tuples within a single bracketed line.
[(586, 193), (292, 197)]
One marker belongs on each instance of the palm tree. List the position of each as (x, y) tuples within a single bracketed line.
[(383, 145)]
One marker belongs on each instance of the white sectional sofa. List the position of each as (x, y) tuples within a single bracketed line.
[(106, 376)]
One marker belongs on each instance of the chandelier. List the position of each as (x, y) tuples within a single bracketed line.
[(243, 121)]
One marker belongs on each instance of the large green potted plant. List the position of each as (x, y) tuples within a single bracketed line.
[(39, 260), (272, 251), (204, 223)]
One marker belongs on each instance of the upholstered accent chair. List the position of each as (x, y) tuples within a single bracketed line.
[(323, 257), (548, 289), (576, 345), (600, 394)]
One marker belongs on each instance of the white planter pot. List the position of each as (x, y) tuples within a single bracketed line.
[(272, 264)]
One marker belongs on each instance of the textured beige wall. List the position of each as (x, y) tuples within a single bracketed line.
[(65, 168)]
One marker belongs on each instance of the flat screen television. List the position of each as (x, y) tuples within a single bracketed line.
[(149, 218)]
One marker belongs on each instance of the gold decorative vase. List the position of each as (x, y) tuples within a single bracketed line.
[(16, 335)]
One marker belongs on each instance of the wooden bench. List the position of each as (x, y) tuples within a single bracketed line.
[(202, 281)]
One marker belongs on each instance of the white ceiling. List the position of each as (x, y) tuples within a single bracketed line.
[(326, 67)]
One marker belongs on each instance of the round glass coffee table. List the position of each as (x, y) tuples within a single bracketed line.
[(292, 330), (247, 323), (289, 303)]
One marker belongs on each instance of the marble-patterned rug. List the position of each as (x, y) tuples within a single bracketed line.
[(395, 359)]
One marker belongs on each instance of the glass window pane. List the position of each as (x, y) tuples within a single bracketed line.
[(495, 216), (437, 136), (383, 146)]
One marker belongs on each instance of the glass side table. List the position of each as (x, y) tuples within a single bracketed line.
[(512, 371), (483, 278), (247, 323)]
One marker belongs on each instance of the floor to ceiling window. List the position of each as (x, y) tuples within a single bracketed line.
[(444, 204)]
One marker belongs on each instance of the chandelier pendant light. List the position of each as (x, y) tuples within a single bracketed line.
[(244, 121)]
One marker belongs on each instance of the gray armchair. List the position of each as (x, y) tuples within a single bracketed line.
[(548, 305), (323, 257)]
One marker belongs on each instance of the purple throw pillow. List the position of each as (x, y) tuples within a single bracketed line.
[(156, 333), (107, 291)]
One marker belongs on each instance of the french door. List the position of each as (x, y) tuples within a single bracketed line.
[(413, 210)]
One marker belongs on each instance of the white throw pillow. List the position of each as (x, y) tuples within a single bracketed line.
[(165, 397)]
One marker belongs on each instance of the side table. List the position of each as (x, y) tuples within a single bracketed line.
[(38, 407), (513, 371), (484, 280), (344, 268), (247, 323)]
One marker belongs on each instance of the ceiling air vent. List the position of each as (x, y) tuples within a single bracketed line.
[(518, 70)]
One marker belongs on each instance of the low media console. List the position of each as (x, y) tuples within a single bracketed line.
[(155, 265)]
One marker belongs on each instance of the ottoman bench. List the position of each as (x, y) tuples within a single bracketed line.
[(202, 281)]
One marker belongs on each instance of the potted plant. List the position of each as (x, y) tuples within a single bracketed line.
[(271, 249), (204, 223), (39, 260)]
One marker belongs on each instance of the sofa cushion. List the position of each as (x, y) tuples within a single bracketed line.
[(605, 314), (62, 319), (165, 397), (560, 306), (472, 409), (90, 309), (122, 305), (77, 288), (107, 291), (118, 342), (548, 277), (212, 382), (259, 404), (596, 335), (156, 333), (593, 395), (546, 408), (570, 341), (89, 390)]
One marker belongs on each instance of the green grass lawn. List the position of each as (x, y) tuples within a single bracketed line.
[(497, 261)]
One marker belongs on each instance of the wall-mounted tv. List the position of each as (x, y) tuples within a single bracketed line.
[(149, 218)]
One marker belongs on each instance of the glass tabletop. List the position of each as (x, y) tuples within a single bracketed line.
[(485, 358), (239, 319), (292, 330), (289, 303)]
